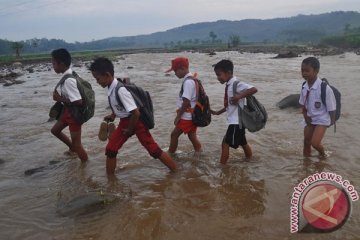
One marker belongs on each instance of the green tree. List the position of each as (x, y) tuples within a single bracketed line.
[(213, 36), (347, 28), (234, 40), (17, 46)]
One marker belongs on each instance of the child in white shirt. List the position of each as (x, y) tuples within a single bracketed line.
[(235, 136), (317, 115)]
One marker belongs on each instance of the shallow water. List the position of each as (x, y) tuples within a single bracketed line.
[(203, 200)]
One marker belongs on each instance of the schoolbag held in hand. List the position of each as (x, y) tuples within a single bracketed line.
[(253, 116), (143, 102), (337, 95), (86, 111), (201, 115)]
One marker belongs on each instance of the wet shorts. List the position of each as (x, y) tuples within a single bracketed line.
[(117, 139), (69, 120), (186, 126), (235, 136)]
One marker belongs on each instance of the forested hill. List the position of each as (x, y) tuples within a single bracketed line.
[(298, 29)]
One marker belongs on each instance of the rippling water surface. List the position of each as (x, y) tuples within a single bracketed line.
[(65, 199)]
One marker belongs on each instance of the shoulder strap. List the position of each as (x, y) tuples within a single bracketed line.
[(196, 85), (324, 84), (62, 80), (235, 84), (118, 86)]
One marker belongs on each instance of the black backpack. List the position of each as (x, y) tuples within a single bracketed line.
[(201, 115), (143, 102), (337, 95), (82, 113)]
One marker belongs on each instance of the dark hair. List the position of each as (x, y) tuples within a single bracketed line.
[(61, 55), (102, 65), (313, 62), (224, 66)]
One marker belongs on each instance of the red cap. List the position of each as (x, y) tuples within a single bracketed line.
[(180, 62)]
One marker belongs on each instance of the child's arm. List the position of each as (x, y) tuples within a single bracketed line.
[(58, 98), (218, 112), (243, 94), (185, 105), (135, 115)]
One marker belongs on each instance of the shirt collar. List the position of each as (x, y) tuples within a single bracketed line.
[(231, 81), (189, 75), (112, 86), (315, 86), (69, 71)]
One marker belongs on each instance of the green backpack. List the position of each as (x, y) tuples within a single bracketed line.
[(82, 113)]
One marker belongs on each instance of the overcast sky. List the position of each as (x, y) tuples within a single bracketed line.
[(86, 20)]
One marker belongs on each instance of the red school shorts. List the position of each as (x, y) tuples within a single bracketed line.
[(187, 126), (117, 139), (69, 120)]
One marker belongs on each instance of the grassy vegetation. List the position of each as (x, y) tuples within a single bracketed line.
[(45, 57)]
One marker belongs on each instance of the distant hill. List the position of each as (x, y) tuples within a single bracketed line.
[(298, 29), (302, 28)]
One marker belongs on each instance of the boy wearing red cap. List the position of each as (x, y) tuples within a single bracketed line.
[(186, 102)]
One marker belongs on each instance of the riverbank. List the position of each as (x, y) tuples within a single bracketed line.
[(7, 60), (11, 67)]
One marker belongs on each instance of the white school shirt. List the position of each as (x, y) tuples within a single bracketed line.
[(69, 88), (316, 110), (189, 92), (125, 97), (232, 110)]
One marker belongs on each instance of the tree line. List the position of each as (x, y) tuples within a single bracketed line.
[(349, 39)]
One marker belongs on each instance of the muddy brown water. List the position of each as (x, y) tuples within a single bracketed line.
[(65, 199)]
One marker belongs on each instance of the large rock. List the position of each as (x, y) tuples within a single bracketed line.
[(84, 204), (290, 101), (17, 64), (290, 54)]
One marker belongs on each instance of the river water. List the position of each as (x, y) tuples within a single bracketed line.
[(203, 200)]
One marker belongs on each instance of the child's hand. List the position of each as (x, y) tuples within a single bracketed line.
[(218, 112), (308, 120), (109, 118), (214, 112), (234, 100), (56, 96), (177, 119)]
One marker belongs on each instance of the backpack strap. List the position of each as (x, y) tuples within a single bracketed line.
[(62, 80), (196, 85), (235, 84), (137, 100), (117, 97), (324, 84)]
